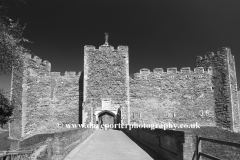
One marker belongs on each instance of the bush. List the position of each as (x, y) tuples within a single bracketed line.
[(5, 110)]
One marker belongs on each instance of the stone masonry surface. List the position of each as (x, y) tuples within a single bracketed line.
[(43, 98), (225, 87), (106, 76), (177, 96), (207, 94)]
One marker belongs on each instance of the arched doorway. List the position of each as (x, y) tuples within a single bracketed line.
[(106, 117)]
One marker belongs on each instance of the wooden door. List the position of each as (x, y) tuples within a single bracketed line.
[(106, 119)]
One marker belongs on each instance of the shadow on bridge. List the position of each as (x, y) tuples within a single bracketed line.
[(149, 151)]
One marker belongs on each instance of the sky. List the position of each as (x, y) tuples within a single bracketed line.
[(159, 33)]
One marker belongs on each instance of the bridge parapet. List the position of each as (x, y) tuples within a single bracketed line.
[(180, 143), (51, 145), (168, 143)]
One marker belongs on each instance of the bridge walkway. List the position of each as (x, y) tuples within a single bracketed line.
[(111, 145)]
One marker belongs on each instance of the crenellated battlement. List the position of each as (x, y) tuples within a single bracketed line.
[(157, 70), (224, 50), (37, 59), (210, 55), (105, 47), (122, 48), (89, 47), (171, 71), (144, 71), (71, 74), (199, 70), (67, 74), (55, 74), (28, 56), (45, 65), (185, 70)]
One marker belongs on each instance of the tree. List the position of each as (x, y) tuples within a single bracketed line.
[(11, 54), (11, 40), (5, 110), (11, 51)]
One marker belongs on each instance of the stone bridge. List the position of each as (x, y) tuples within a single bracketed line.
[(103, 143), (109, 145), (124, 143)]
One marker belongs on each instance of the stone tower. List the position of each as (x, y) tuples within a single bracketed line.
[(106, 83), (27, 94), (225, 87)]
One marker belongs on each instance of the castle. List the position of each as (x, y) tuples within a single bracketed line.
[(104, 92)]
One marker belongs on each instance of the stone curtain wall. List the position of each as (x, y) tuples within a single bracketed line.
[(43, 98), (224, 83), (177, 96), (106, 76), (52, 99), (65, 98)]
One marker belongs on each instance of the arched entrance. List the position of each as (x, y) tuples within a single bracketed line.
[(106, 117)]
